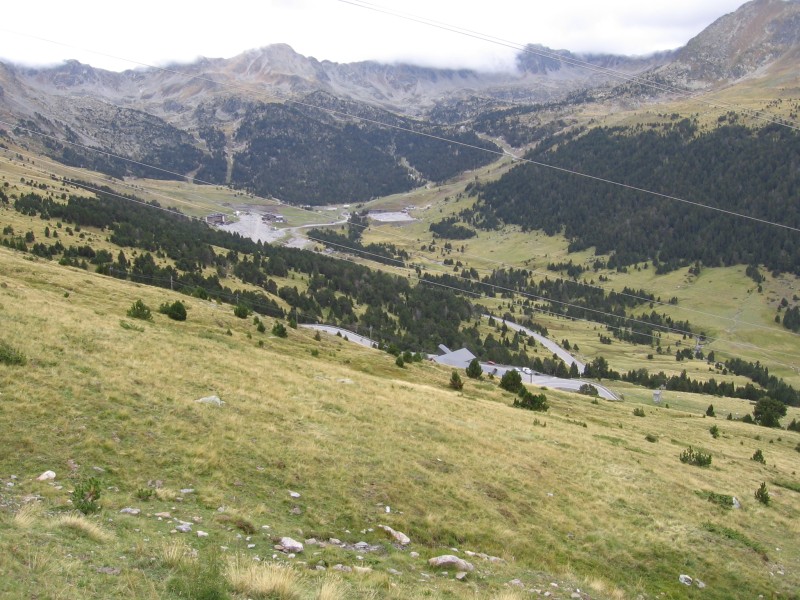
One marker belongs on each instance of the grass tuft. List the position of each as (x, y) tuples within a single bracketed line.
[(331, 589), (175, 554), (83, 526), (26, 516), (262, 580)]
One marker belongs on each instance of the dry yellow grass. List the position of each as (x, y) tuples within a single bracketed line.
[(27, 515), (331, 589), (83, 526), (263, 580)]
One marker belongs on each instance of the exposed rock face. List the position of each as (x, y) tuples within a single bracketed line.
[(290, 545)]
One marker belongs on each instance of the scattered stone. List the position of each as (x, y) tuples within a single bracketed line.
[(346, 381), (448, 560), (184, 528), (290, 545), (294, 494), (187, 491), (461, 575), (362, 570), (250, 546), (46, 476), (320, 568), (516, 583), (361, 545), (163, 515), (685, 579), (202, 534), (393, 572), (311, 542), (554, 584), (73, 466), (699, 584), (213, 400), (400, 537), (736, 504), (197, 519), (335, 541), (99, 469), (130, 511), (414, 554), (388, 509), (340, 567), (108, 570), (575, 596), (296, 511)]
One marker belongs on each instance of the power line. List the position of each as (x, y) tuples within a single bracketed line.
[(494, 287), (379, 123), (442, 139), (529, 49)]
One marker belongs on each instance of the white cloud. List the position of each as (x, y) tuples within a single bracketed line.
[(158, 32)]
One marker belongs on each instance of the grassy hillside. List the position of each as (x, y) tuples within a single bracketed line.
[(577, 496)]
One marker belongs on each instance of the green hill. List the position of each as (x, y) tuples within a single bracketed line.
[(579, 497)]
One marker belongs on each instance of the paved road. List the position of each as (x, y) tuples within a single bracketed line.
[(557, 383), (351, 336), (549, 344)]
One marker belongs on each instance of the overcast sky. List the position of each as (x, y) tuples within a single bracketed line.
[(166, 31)]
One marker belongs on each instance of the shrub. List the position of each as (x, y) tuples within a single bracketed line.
[(651, 438), (139, 310), (293, 323), (10, 356), (697, 458), (638, 411), (261, 328), (793, 426), (279, 330), (317, 337), (710, 411), (511, 381), (587, 389), (241, 311), (85, 496), (400, 362), (175, 311), (455, 381), (714, 431), (529, 401), (144, 494), (758, 456), (474, 370), (762, 495)]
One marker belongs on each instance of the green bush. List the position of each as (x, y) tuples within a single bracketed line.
[(10, 356), (587, 389), (762, 495), (710, 411), (175, 311), (638, 411), (474, 370), (455, 381), (85, 496), (714, 431), (651, 438), (139, 310), (317, 337), (144, 494), (511, 381), (529, 401), (697, 458), (261, 328), (400, 362), (758, 456), (279, 330), (241, 311)]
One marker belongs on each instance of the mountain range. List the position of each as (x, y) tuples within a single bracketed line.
[(274, 122)]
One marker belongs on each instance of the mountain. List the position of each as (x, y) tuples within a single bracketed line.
[(274, 122), (745, 43)]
